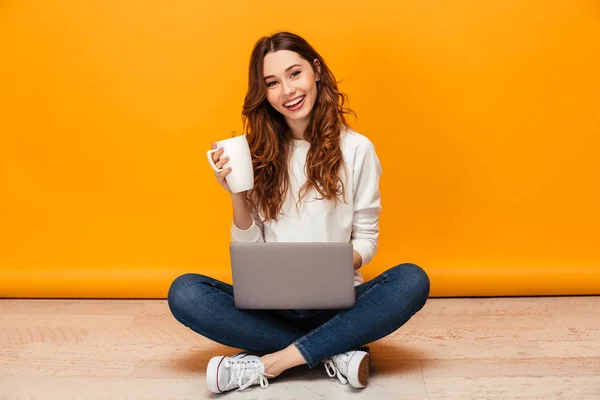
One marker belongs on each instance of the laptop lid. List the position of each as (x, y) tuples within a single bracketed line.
[(293, 275)]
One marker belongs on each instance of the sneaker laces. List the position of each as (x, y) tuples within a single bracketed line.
[(245, 373), (338, 364)]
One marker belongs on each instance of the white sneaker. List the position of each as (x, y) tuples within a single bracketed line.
[(240, 371), (351, 367)]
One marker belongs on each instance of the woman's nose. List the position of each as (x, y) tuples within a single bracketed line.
[(288, 89)]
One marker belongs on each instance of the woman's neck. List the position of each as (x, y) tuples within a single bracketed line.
[(298, 127)]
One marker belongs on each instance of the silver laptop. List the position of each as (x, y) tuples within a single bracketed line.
[(293, 275)]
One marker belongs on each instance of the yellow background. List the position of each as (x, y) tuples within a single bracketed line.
[(485, 115)]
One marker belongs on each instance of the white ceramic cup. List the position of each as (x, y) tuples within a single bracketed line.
[(241, 177)]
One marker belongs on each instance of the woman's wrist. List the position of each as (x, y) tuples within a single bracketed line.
[(241, 213)]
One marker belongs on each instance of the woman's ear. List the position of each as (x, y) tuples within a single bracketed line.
[(317, 66)]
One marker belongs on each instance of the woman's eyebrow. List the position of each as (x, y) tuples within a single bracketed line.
[(286, 70)]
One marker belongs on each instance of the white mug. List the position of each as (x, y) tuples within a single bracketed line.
[(241, 177)]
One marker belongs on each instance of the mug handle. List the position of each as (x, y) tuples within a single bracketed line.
[(210, 160)]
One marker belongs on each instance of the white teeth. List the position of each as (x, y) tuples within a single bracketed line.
[(293, 103)]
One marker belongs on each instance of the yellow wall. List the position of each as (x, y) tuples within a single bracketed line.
[(485, 115)]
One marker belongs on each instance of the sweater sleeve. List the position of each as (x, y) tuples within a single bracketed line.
[(367, 202), (253, 234)]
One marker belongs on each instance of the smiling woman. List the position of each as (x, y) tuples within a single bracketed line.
[(292, 91), (315, 180), (302, 103)]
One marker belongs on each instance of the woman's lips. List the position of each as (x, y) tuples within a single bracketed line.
[(295, 106)]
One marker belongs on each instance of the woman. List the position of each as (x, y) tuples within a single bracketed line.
[(315, 180)]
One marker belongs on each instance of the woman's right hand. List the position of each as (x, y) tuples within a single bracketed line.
[(219, 162)]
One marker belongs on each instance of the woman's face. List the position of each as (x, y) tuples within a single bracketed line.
[(291, 84)]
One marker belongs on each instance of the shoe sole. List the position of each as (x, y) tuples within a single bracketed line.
[(362, 364)]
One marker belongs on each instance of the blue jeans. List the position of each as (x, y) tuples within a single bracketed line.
[(383, 305)]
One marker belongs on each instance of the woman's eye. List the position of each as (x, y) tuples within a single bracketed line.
[(295, 74), (271, 83)]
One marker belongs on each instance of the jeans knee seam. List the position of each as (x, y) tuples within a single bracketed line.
[(360, 296)]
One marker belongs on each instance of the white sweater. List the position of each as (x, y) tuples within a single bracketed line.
[(318, 220)]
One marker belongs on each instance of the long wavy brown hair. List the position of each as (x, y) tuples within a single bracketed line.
[(269, 135)]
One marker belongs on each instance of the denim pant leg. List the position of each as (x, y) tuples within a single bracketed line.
[(383, 305), (206, 306)]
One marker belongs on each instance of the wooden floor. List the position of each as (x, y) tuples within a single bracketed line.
[(491, 348)]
